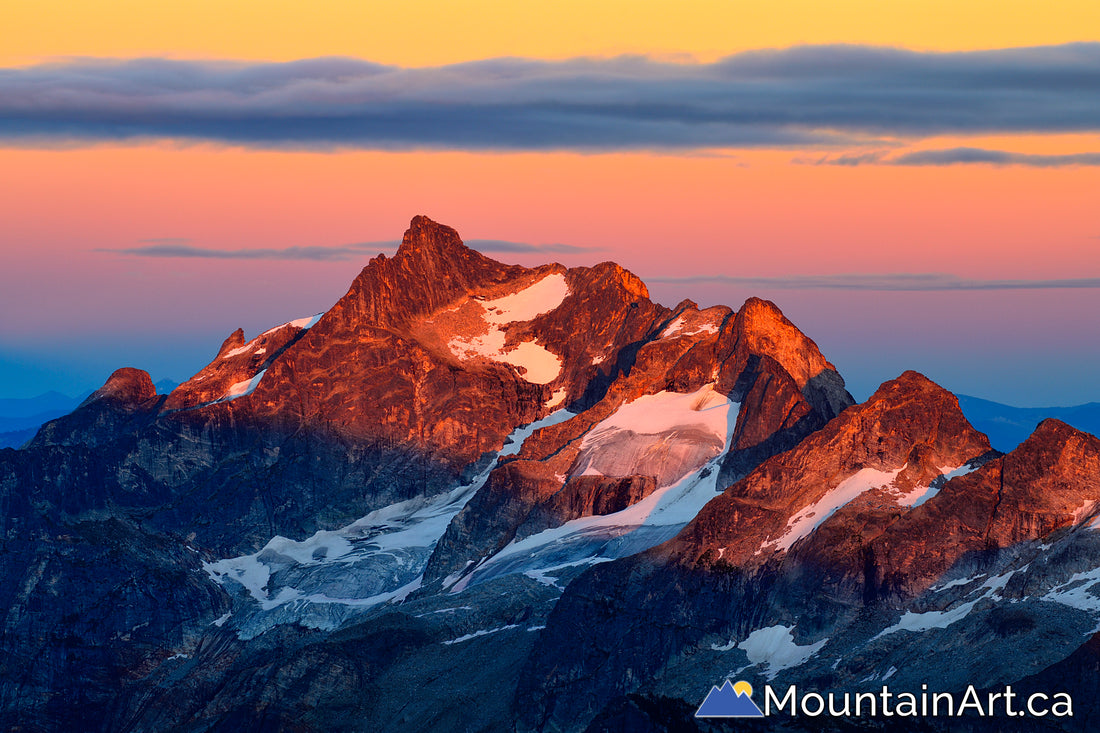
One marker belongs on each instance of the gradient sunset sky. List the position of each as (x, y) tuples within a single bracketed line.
[(915, 184)]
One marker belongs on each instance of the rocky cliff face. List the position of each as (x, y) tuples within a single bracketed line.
[(446, 350), (238, 367), (535, 498), (878, 459), (706, 387), (821, 547)]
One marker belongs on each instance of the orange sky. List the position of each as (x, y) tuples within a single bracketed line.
[(432, 32), (754, 213), (1002, 222)]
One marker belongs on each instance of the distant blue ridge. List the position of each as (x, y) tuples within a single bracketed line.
[(20, 418), (1008, 426)]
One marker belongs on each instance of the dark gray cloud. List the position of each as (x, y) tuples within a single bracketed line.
[(805, 96), (957, 156), (178, 247), (884, 282)]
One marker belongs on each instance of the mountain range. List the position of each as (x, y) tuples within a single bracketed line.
[(1005, 425), (475, 496)]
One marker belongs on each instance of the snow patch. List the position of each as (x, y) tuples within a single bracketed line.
[(1079, 592), (540, 366), (543, 575), (483, 632), (678, 328), (303, 323), (931, 619), (667, 435), (1084, 511), (664, 411), (920, 494), (775, 647), (240, 349), (558, 397), (529, 303), (954, 583), (917, 496), (950, 473), (377, 559), (240, 389), (596, 539), (810, 518), (919, 622), (515, 441)]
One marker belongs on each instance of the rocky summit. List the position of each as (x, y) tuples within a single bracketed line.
[(473, 496)]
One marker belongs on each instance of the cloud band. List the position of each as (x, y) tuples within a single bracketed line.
[(900, 282), (799, 97), (180, 248)]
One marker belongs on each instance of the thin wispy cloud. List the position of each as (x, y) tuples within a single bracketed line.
[(885, 282), (310, 253), (178, 247), (957, 156), (804, 97), (173, 241), (501, 245), (874, 157)]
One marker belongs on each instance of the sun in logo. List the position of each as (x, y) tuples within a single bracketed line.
[(729, 701)]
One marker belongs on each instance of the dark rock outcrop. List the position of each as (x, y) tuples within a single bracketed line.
[(127, 402)]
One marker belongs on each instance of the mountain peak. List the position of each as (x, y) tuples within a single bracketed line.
[(907, 434), (1052, 427), (233, 341), (431, 269), (765, 330), (908, 385), (125, 385), (429, 242), (424, 233)]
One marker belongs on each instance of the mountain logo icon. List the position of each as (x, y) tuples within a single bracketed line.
[(729, 701)]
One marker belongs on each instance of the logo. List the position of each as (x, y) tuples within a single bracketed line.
[(729, 701), (734, 700)]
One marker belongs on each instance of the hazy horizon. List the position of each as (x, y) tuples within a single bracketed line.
[(866, 333)]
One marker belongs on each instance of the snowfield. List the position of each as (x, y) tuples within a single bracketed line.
[(538, 365)]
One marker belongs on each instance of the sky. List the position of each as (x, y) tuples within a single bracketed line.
[(913, 183)]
